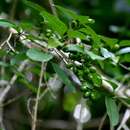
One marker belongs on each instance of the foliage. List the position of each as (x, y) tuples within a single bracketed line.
[(78, 61)]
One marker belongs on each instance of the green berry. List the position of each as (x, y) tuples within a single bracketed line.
[(86, 94), (83, 88)]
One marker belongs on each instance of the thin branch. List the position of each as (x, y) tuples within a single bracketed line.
[(34, 121), (102, 121), (53, 8)]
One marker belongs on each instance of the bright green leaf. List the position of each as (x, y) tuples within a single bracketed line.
[(53, 43), (54, 23), (77, 48), (76, 34), (93, 56), (6, 23)]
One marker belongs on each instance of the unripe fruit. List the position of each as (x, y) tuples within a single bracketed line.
[(86, 94)]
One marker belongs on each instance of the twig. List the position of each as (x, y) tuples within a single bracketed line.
[(13, 10), (6, 90), (37, 98), (7, 41), (53, 8), (102, 121)]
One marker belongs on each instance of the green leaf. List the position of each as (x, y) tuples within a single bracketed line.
[(54, 23), (37, 55), (93, 56), (124, 43), (111, 42), (18, 58), (53, 43), (76, 34), (33, 5), (28, 85), (89, 31), (71, 15), (63, 76), (77, 48), (70, 101), (6, 23), (112, 111)]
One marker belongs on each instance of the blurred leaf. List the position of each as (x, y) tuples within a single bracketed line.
[(124, 43), (37, 55), (112, 111), (63, 76), (70, 101), (76, 34), (28, 85), (53, 43), (111, 42), (77, 48), (54, 23), (3, 64), (90, 32), (18, 58), (71, 15), (6, 23), (93, 56), (33, 5), (106, 53), (124, 51), (125, 57)]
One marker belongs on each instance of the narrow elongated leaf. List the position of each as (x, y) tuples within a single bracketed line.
[(6, 23), (112, 111), (63, 76), (33, 5), (124, 50), (124, 43), (37, 55)]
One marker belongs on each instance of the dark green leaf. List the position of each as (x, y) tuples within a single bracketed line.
[(71, 15), (33, 5), (63, 76)]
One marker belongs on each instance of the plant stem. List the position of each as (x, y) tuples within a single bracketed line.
[(34, 121), (53, 7)]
